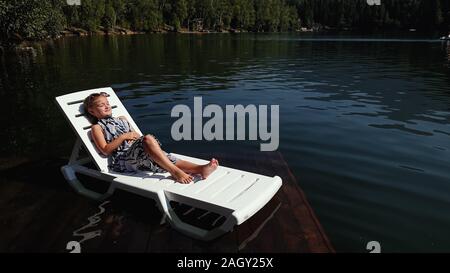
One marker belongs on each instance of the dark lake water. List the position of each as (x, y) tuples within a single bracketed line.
[(364, 123)]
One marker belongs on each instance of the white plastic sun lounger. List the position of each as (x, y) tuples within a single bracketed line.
[(234, 194)]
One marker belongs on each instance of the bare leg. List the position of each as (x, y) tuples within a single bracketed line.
[(152, 147), (203, 170), (189, 166)]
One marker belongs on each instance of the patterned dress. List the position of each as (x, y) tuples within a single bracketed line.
[(129, 156)]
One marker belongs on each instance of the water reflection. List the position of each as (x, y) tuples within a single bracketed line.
[(447, 49)]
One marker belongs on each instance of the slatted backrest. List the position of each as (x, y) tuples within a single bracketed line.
[(72, 106)]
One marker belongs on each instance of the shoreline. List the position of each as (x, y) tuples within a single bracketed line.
[(23, 44)]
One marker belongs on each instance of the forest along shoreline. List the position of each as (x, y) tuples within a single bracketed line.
[(50, 19), (47, 20)]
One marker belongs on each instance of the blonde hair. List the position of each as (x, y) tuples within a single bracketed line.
[(88, 102)]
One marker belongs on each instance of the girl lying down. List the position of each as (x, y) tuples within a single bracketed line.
[(130, 151)]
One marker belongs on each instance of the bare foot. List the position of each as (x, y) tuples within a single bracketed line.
[(181, 176), (209, 168)]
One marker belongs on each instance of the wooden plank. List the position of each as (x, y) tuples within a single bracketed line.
[(314, 233), (243, 231), (75, 218), (267, 225), (159, 238), (8, 191), (126, 224), (18, 214), (44, 225), (43, 216), (250, 230), (265, 232)]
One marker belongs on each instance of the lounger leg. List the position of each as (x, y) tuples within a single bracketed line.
[(188, 229), (75, 151), (69, 172), (70, 175), (163, 219)]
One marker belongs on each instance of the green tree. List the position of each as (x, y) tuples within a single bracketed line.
[(71, 14), (91, 14), (144, 15), (288, 18), (243, 14), (180, 13), (267, 15), (109, 18), (30, 19)]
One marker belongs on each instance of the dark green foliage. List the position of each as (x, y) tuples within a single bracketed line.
[(109, 18), (30, 19), (391, 14), (144, 15), (39, 19), (91, 14)]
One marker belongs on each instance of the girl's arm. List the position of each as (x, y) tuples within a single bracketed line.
[(100, 142)]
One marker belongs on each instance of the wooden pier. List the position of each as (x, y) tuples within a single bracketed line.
[(39, 212)]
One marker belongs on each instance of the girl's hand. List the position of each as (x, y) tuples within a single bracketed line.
[(130, 136)]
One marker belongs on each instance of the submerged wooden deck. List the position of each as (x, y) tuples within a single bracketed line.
[(39, 212)]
